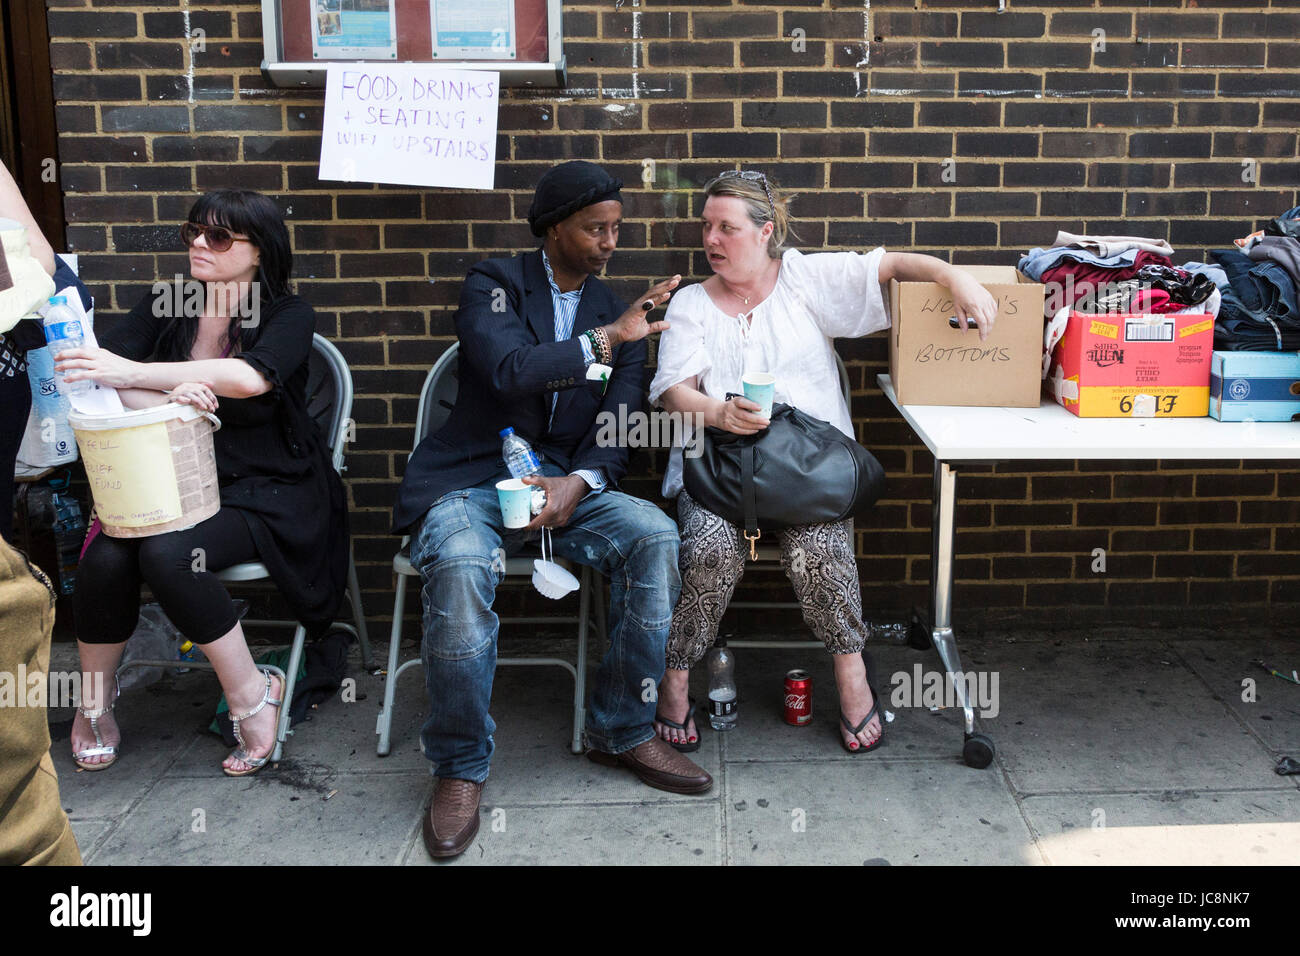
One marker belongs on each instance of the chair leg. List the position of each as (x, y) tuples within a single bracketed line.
[(384, 725), (598, 593), (290, 679), (359, 616), (580, 676)]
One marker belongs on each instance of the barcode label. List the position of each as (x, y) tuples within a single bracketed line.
[(1162, 331)]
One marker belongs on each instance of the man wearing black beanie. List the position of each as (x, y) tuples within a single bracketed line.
[(530, 329)]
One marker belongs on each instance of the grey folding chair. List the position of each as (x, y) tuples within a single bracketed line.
[(769, 556), (437, 398), (329, 402)]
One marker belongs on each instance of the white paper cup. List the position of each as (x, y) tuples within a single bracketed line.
[(760, 387), (515, 498), (553, 581)]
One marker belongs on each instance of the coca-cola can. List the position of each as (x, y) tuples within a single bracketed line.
[(798, 698)]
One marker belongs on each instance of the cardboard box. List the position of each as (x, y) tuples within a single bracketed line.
[(1255, 386), (931, 362), (1126, 365)]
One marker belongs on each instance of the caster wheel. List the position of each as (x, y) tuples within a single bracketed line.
[(978, 751), (918, 635)]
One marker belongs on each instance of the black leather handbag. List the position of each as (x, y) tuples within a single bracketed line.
[(799, 470)]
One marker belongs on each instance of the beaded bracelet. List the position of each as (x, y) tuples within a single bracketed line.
[(600, 343)]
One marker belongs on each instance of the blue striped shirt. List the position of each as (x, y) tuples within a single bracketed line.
[(565, 305)]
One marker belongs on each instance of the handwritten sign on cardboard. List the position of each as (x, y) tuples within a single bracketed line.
[(410, 124)]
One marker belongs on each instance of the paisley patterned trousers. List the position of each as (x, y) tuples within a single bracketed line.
[(817, 558)]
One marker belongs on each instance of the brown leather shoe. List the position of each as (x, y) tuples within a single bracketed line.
[(659, 766), (451, 822)]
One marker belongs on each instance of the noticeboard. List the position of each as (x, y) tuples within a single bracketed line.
[(522, 40)]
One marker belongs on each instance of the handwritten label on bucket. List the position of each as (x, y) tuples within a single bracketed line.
[(131, 475)]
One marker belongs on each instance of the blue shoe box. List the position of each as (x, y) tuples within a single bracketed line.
[(1254, 386)]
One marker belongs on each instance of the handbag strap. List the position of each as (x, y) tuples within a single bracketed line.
[(752, 534)]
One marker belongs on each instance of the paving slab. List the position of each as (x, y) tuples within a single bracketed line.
[(532, 763), (650, 835), (90, 835), (1175, 828), (279, 818), (1149, 729), (160, 725), (1118, 716), (858, 812), (761, 733), (1274, 712)]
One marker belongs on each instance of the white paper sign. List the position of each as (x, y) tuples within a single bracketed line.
[(410, 124)]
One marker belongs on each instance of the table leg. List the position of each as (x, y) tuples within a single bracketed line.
[(978, 749), (942, 542)]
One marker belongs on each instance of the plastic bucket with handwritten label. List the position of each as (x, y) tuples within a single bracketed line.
[(151, 470)]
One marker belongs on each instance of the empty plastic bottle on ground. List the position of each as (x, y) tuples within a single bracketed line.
[(187, 654), (721, 664), (522, 462), (64, 330)]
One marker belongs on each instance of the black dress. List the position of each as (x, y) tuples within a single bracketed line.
[(273, 465)]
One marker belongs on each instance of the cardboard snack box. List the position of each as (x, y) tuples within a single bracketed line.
[(1128, 365), (932, 362), (1255, 386)]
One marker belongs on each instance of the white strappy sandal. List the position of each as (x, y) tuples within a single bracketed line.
[(100, 749), (241, 752)]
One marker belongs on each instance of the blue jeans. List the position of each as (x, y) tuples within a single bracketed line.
[(459, 552)]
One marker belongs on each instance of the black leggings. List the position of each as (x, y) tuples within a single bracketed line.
[(109, 578)]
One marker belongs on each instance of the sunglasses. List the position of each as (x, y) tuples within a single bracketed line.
[(218, 238), (753, 177)]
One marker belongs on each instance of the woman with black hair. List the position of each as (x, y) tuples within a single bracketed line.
[(233, 338)]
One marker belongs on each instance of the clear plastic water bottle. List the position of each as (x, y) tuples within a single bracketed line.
[(522, 462), (721, 664), (63, 330), (69, 536)]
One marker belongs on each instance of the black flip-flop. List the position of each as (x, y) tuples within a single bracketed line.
[(875, 706), (685, 747)]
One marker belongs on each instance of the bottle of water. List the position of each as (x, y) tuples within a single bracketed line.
[(522, 462), (721, 664), (63, 330), (69, 536)]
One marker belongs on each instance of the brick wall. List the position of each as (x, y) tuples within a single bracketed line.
[(1143, 128)]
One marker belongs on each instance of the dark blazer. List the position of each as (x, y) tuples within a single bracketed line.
[(509, 367)]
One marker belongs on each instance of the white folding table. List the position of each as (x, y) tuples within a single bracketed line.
[(961, 434)]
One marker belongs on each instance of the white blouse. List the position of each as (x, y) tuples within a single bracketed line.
[(817, 298)]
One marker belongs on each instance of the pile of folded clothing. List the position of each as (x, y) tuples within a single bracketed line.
[(1260, 310), (1113, 274), (1119, 274)]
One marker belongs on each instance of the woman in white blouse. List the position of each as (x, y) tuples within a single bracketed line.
[(771, 309)]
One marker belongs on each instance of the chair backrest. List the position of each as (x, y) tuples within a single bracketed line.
[(329, 394), (438, 395), (845, 387)]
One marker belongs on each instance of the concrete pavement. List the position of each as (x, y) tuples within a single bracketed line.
[(1113, 747)]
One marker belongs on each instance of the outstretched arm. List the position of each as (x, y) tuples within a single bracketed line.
[(970, 299), (14, 206), (227, 378)]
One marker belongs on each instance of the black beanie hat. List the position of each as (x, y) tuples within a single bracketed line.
[(567, 188)]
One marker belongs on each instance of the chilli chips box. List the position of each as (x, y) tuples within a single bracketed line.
[(1127, 365)]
